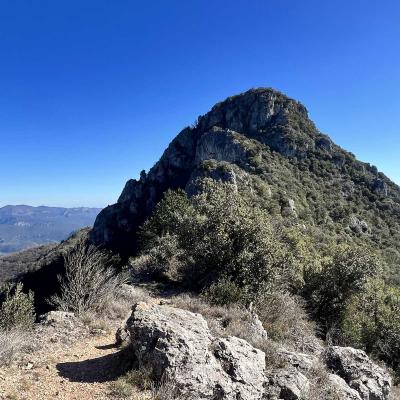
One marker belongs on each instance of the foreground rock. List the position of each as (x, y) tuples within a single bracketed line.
[(59, 318), (287, 384), (178, 344), (342, 389), (354, 366)]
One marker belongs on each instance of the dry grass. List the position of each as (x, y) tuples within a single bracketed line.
[(284, 318), (138, 384), (396, 392), (167, 390), (321, 387), (12, 343), (116, 309), (281, 314), (96, 322), (134, 381), (222, 321)]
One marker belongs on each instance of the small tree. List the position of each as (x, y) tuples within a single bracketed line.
[(217, 234), (17, 310), (89, 279), (341, 276), (372, 322)]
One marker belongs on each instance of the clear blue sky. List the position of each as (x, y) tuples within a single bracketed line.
[(91, 92)]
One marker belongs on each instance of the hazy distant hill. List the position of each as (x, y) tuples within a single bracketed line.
[(22, 227)]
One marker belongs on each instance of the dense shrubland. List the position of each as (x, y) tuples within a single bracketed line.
[(218, 235), (222, 244), (329, 189)]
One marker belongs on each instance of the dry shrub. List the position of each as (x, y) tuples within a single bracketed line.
[(223, 321), (284, 318), (167, 390), (273, 357), (12, 342), (90, 281), (117, 307), (395, 392), (321, 387)]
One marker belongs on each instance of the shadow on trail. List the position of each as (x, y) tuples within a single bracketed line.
[(106, 346), (101, 369)]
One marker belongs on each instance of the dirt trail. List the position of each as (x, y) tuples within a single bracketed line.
[(81, 371)]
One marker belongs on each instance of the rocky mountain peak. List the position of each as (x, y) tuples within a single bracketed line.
[(252, 111), (242, 137), (263, 114)]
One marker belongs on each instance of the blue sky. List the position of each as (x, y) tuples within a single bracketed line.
[(91, 92)]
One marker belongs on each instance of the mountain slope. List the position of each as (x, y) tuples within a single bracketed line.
[(265, 141), (22, 226)]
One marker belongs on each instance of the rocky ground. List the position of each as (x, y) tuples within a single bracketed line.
[(77, 358), (81, 370), (69, 358)]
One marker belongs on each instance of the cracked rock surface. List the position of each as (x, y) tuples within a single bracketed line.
[(178, 345)]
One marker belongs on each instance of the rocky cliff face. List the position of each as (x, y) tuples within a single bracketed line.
[(262, 114), (259, 134)]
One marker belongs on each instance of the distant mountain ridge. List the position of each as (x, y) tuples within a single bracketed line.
[(24, 226)]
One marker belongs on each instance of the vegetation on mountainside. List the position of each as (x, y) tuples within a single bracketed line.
[(216, 235), (372, 321), (303, 233), (329, 190), (222, 243)]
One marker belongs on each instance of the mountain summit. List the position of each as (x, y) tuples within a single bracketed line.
[(265, 140)]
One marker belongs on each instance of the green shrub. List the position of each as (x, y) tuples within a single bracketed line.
[(223, 292), (166, 216), (17, 310), (164, 260), (372, 322), (217, 234), (342, 274)]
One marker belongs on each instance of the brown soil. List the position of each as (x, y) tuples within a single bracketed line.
[(79, 371)]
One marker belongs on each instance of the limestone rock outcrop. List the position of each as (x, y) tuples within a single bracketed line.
[(262, 115), (355, 367), (287, 384), (178, 344)]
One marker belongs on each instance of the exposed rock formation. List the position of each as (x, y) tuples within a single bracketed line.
[(67, 319), (342, 388), (288, 384), (233, 135), (179, 345), (264, 115), (361, 374), (357, 225)]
